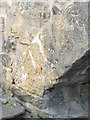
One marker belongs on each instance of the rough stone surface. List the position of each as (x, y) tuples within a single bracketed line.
[(9, 107), (42, 42), (58, 102), (44, 56)]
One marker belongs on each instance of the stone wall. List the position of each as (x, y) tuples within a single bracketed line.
[(42, 45)]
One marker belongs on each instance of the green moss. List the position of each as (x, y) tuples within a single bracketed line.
[(34, 104), (9, 103), (35, 113), (37, 116)]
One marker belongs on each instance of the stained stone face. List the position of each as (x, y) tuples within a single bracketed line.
[(42, 41)]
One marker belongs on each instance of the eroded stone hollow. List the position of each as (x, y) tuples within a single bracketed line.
[(45, 54)]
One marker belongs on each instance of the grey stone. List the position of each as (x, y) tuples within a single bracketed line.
[(26, 115), (6, 60), (59, 102), (2, 74), (11, 111), (9, 107), (3, 100), (51, 81)]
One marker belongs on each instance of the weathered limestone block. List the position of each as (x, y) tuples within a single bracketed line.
[(45, 54), (43, 42)]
